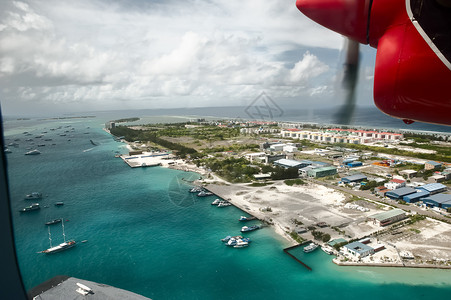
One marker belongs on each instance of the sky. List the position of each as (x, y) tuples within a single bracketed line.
[(63, 56)]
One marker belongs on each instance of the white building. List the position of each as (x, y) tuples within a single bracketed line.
[(277, 147), (340, 135), (257, 156), (395, 184)]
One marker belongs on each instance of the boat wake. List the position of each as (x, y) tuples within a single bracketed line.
[(87, 150)]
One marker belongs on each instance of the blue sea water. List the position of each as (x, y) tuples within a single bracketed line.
[(145, 233)]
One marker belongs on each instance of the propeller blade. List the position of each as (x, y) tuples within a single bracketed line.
[(349, 83)]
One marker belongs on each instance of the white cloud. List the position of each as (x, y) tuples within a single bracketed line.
[(103, 52)]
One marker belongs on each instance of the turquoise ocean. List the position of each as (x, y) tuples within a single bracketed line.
[(145, 233)]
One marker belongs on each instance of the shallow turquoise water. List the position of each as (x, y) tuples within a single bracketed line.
[(147, 234)]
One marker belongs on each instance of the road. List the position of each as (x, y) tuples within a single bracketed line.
[(370, 196)]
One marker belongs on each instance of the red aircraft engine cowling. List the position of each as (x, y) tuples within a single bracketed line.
[(411, 81)]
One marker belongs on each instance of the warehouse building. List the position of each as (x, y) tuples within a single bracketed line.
[(415, 197), (398, 194), (432, 165), (388, 217), (354, 164), (289, 163), (354, 178), (433, 188), (322, 172), (438, 200), (358, 249), (408, 173), (304, 171)]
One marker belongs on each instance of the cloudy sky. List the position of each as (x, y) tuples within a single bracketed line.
[(101, 54)]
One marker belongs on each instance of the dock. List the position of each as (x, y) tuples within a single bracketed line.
[(145, 160), (218, 194), (294, 257)]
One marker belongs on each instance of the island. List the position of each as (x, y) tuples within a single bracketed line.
[(375, 197)]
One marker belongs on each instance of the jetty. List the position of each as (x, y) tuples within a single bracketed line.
[(294, 257), (146, 159)]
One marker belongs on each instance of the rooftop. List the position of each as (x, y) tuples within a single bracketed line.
[(432, 187), (397, 180), (434, 163), (417, 195), (439, 198), (288, 162), (388, 214), (358, 247), (355, 177), (402, 191)]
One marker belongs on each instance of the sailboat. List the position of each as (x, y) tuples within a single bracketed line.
[(63, 246)]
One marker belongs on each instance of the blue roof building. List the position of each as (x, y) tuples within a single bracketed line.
[(433, 188), (415, 197), (358, 249), (354, 164), (289, 163), (354, 178), (398, 194), (438, 200)]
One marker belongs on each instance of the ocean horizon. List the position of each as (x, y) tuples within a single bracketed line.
[(145, 233), (364, 116)]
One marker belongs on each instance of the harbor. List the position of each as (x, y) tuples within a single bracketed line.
[(286, 251), (147, 159)]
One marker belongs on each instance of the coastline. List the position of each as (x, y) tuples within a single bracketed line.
[(290, 206)]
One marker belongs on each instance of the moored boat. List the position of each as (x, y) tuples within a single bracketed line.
[(216, 202), (328, 249), (63, 246), (59, 203), (233, 241), (33, 152), (204, 194), (241, 244), (249, 228), (311, 247), (244, 219), (195, 189), (55, 221), (224, 204), (33, 196), (34, 206)]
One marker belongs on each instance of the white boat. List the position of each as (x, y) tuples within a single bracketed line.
[(241, 244), (34, 206), (195, 189), (204, 194), (249, 228), (238, 240), (224, 204), (33, 196), (63, 246), (328, 249), (244, 219), (311, 247), (33, 152), (216, 202)]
